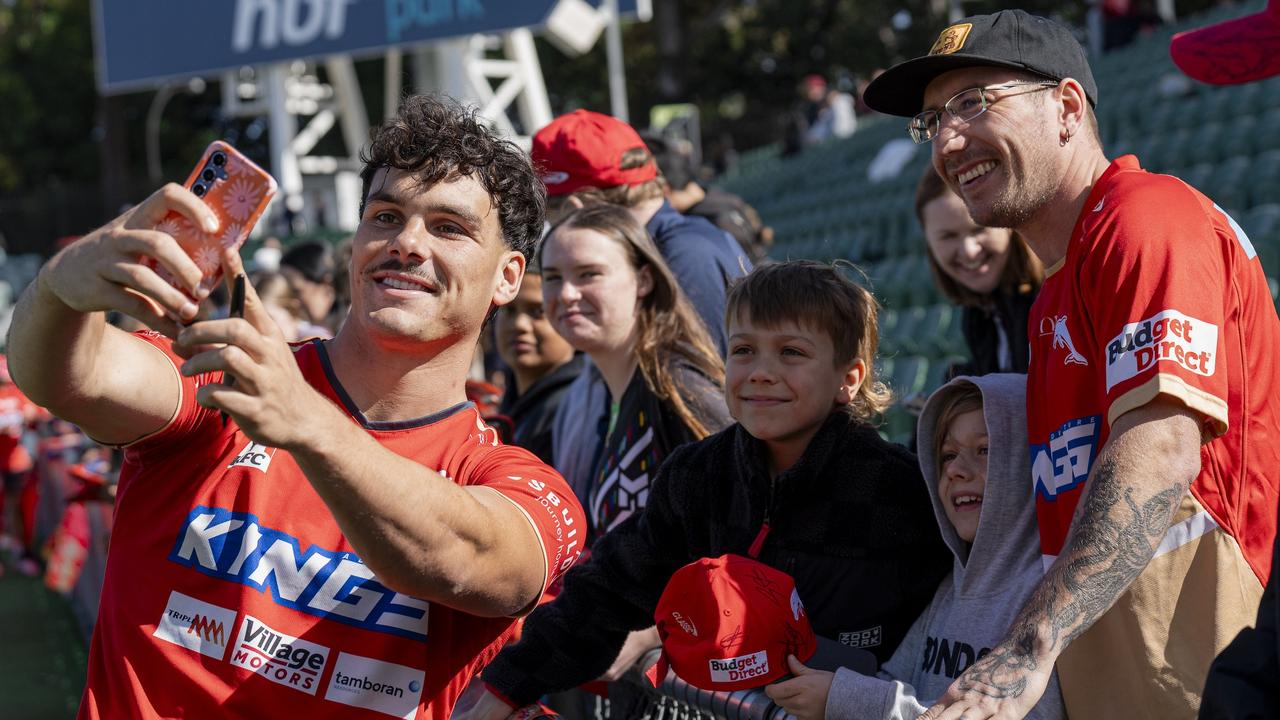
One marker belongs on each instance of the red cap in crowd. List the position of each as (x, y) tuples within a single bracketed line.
[(728, 623), (584, 149), (1232, 52)]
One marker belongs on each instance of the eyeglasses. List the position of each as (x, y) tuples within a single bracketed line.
[(964, 106)]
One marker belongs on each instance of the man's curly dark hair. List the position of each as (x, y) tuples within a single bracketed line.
[(434, 138)]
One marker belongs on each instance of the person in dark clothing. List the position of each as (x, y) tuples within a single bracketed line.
[(802, 482), (542, 366), (723, 209), (588, 158), (990, 272)]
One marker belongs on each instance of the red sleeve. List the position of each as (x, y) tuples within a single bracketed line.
[(189, 415), (545, 500), (1158, 279)]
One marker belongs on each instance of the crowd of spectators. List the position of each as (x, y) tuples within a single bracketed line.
[(1089, 521)]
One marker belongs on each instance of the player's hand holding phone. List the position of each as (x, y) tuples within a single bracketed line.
[(160, 259)]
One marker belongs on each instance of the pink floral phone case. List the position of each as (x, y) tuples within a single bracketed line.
[(237, 191)]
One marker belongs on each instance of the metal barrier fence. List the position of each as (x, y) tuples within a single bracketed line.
[(633, 697)]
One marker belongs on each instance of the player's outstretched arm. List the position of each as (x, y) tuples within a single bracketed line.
[(422, 534), (1138, 483), (62, 352)]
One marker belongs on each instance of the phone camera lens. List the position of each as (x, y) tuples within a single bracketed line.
[(207, 176), (198, 189), (219, 159)]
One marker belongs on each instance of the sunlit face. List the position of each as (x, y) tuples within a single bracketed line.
[(1000, 163), (972, 255), (591, 290), (525, 337), (962, 460), (782, 382), (427, 264)]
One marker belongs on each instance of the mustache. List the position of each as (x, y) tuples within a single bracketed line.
[(418, 270)]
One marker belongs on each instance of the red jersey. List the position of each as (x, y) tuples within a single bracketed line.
[(231, 592), (1160, 293), (16, 413)]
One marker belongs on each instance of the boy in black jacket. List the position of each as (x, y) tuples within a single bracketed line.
[(801, 481)]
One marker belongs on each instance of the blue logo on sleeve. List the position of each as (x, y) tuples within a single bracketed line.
[(1065, 461)]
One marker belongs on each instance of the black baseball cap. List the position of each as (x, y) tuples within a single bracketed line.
[(1013, 39)]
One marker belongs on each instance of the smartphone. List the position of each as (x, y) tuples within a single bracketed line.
[(237, 191)]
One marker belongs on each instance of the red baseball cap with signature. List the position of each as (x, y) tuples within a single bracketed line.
[(728, 623), (585, 149), (1232, 52)]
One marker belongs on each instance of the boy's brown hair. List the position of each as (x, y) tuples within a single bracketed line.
[(961, 398), (820, 297)]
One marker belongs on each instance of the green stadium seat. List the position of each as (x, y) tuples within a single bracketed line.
[(910, 373), (1206, 143)]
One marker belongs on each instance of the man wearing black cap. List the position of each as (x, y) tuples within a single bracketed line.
[(1152, 361)]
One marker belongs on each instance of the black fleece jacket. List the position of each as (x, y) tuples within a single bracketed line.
[(850, 522)]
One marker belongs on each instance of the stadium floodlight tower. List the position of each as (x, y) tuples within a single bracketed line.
[(269, 53)]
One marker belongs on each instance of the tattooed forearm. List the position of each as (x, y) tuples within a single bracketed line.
[(1115, 533)]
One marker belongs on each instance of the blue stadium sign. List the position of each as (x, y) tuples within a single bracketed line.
[(141, 43)]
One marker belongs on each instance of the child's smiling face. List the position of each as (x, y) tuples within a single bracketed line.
[(782, 382), (962, 477)]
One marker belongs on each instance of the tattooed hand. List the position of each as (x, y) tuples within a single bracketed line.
[(1006, 684), (1126, 507)]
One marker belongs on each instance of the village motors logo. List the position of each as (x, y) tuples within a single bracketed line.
[(280, 658), (195, 625), (1167, 336), (743, 667)]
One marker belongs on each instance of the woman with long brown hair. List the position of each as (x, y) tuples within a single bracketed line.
[(607, 290)]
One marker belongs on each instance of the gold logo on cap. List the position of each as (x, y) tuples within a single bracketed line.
[(951, 39)]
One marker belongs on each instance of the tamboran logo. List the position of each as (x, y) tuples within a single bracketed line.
[(375, 685), (684, 623), (797, 608), (254, 456), (331, 585), (278, 657), (1064, 462), (195, 625), (1166, 336), (743, 667)]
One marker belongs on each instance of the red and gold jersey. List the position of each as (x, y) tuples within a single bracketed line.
[(1161, 295), (231, 592)]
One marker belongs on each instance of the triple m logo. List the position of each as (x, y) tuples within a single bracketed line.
[(195, 625)]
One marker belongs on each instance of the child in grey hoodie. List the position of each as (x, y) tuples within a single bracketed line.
[(973, 455)]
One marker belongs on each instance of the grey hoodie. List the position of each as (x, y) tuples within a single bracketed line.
[(977, 602)]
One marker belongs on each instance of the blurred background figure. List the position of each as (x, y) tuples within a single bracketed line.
[(283, 303), (689, 196), (309, 268), (822, 113), (542, 366), (990, 272)]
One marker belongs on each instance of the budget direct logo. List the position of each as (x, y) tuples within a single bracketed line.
[(280, 658), (195, 625), (743, 667), (1167, 336), (371, 684)]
